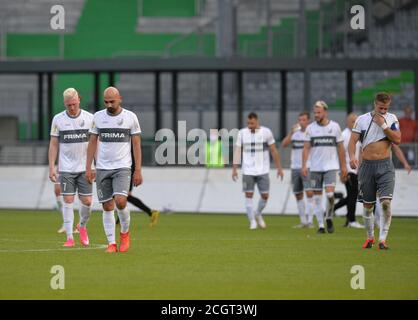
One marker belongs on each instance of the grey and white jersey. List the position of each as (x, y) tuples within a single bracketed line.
[(255, 150), (375, 132), (324, 140), (297, 142), (73, 136), (114, 145), (346, 136)]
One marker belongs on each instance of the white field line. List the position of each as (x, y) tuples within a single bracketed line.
[(101, 247), (310, 237), (92, 247), (27, 240)]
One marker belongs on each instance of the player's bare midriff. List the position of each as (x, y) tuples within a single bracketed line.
[(377, 150)]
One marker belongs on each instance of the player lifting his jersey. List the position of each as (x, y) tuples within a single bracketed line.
[(376, 130)]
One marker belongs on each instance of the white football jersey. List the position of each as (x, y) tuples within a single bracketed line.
[(324, 140), (114, 145), (375, 133), (73, 137), (346, 137), (297, 142), (255, 150)]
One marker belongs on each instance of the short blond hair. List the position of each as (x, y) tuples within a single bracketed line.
[(70, 93), (382, 97), (321, 104)]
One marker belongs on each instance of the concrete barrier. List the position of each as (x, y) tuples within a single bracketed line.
[(185, 190)]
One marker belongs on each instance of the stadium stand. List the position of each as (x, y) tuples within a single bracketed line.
[(158, 28)]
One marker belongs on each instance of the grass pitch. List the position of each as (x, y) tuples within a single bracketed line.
[(204, 257)]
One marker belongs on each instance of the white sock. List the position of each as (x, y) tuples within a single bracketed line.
[(261, 205), (330, 205), (124, 218), (249, 208), (309, 209), (301, 210), (385, 220), (59, 203), (318, 210), (378, 213), (109, 225), (84, 212), (368, 218), (68, 216)]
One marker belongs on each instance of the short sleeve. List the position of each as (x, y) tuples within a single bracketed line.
[(357, 126), (338, 134), (93, 129), (90, 121), (270, 138), (238, 143), (395, 124), (55, 132), (307, 134), (135, 128)]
